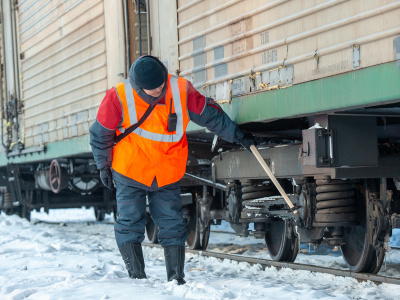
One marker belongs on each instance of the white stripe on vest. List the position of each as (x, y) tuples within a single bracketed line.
[(158, 137)]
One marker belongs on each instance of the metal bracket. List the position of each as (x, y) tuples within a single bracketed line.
[(26, 151), (329, 135), (355, 56), (13, 183), (214, 143), (318, 148)]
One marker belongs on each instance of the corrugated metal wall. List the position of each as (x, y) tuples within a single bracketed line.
[(280, 42), (164, 34), (63, 67)]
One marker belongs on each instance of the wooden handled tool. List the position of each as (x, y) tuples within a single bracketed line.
[(274, 180)]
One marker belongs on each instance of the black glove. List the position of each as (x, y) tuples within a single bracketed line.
[(106, 177), (248, 140)]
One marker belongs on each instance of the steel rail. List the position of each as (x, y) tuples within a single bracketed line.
[(224, 232), (294, 266)]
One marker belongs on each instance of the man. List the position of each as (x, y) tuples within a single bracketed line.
[(152, 159)]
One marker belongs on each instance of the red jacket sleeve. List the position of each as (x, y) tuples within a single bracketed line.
[(110, 110), (102, 131), (196, 101)]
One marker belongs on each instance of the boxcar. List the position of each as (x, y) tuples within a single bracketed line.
[(317, 82)]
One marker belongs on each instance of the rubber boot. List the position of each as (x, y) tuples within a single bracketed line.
[(132, 255), (174, 263)]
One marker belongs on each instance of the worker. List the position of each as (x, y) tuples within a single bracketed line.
[(151, 160)]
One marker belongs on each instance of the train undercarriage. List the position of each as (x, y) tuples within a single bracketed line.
[(59, 183), (341, 176)]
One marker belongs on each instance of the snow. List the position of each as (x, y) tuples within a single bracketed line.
[(67, 255)]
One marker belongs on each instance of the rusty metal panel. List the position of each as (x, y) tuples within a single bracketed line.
[(312, 39), (63, 67)]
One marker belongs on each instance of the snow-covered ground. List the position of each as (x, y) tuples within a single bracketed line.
[(78, 259)]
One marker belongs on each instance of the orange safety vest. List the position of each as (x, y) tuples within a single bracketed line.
[(151, 150)]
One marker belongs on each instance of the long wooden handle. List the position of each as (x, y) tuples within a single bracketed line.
[(272, 177)]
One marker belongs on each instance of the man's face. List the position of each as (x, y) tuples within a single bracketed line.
[(155, 92)]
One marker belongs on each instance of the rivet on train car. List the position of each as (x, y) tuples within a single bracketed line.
[(316, 56)]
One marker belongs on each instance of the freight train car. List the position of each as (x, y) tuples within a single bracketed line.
[(317, 82), (59, 57)]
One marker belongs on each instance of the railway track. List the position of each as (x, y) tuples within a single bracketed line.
[(377, 279)]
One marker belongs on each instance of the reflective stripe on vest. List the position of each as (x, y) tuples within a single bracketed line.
[(177, 136), (153, 151)]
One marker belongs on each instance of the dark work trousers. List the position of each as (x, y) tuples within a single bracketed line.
[(165, 206)]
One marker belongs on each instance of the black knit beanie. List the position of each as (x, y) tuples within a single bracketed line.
[(148, 73)]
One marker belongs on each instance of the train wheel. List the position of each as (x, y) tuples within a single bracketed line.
[(85, 184), (197, 240), (359, 252), (99, 213), (193, 239), (151, 230), (280, 246), (205, 237), (55, 176)]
